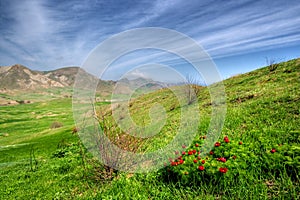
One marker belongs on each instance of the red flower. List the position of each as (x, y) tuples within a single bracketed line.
[(199, 158), (190, 152), (195, 161), (211, 152), (201, 168), (183, 153), (194, 151), (217, 144), (273, 150), (183, 146), (181, 161), (197, 145), (176, 152), (173, 163), (223, 170), (203, 161), (240, 143), (221, 159), (226, 139)]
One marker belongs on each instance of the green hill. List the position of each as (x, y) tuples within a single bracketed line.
[(40, 155)]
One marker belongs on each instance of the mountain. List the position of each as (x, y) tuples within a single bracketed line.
[(19, 77), (18, 80)]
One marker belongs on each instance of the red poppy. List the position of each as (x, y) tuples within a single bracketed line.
[(173, 163), (221, 159), (203, 161), (273, 150), (190, 152), (181, 161), (183, 153), (194, 151), (223, 170), (201, 168), (195, 161), (240, 143), (197, 145), (226, 139), (217, 144), (211, 152)]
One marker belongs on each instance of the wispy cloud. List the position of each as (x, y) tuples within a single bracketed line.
[(50, 34)]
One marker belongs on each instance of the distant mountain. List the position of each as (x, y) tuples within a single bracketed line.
[(21, 78)]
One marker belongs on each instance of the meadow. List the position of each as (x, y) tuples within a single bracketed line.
[(256, 157)]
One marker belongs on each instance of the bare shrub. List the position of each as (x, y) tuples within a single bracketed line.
[(272, 64), (192, 88)]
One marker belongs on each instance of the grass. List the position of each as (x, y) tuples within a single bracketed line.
[(262, 112)]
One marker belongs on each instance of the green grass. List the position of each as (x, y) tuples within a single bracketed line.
[(262, 112)]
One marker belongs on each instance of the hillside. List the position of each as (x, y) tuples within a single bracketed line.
[(261, 156)]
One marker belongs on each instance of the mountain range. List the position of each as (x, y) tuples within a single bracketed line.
[(20, 79)]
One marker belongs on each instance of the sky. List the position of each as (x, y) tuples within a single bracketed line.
[(237, 35)]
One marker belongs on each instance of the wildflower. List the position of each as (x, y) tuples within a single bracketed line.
[(273, 150), (221, 159), (223, 170), (201, 168), (217, 144), (226, 139)]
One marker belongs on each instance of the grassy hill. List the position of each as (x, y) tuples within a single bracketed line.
[(41, 155)]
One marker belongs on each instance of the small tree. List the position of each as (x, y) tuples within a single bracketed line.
[(272, 64), (192, 88)]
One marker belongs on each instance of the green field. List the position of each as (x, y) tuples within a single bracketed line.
[(42, 159)]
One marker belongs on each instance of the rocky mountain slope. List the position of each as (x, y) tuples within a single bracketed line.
[(19, 77)]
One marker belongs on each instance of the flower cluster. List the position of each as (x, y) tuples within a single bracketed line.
[(228, 156)]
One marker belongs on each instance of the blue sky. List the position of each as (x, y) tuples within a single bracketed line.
[(238, 35)]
